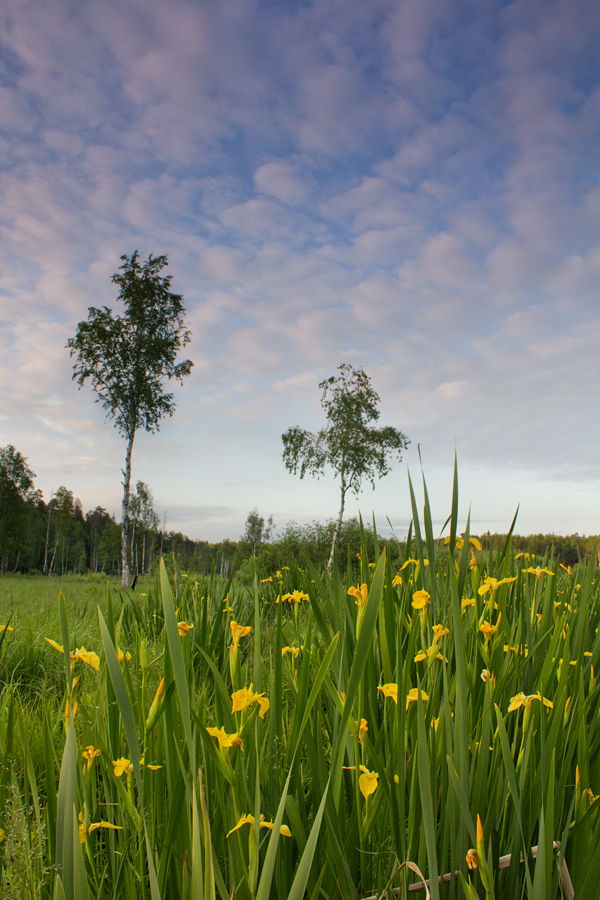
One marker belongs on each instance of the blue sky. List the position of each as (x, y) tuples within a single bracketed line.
[(410, 186)]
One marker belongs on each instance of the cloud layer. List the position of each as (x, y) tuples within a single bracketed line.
[(410, 187)]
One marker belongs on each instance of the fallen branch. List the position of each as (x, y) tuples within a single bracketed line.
[(503, 863)]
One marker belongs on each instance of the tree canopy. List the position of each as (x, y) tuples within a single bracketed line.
[(127, 358), (16, 488), (355, 449)]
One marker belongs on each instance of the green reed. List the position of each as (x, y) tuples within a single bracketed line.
[(437, 722)]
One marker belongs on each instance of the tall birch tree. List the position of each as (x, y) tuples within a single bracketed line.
[(129, 357), (353, 448)]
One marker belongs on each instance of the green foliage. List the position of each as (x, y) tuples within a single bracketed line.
[(17, 496), (354, 448), (28, 606), (25, 874), (349, 444), (128, 357)]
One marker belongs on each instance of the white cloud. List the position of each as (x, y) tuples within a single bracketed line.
[(281, 179), (452, 390)]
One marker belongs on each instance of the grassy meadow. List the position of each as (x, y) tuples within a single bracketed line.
[(431, 729)]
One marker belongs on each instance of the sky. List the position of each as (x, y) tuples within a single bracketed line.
[(406, 186)]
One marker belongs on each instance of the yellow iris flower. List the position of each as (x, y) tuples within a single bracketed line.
[(538, 572), (432, 651), (460, 542), (122, 766), (90, 753), (367, 782), (92, 659), (420, 599), (226, 740), (244, 697), (362, 730), (522, 699), (488, 630), (250, 820), (389, 690), (361, 593), (413, 695), (491, 585), (237, 632), (439, 631), (296, 597), (93, 826), (88, 656), (415, 562)]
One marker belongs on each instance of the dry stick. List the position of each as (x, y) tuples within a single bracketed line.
[(503, 863)]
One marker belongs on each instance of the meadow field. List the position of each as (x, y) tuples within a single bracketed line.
[(428, 729)]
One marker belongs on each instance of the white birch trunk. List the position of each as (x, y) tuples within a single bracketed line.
[(125, 575), (48, 536), (338, 524), (51, 570)]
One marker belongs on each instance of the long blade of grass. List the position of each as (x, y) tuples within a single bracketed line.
[(209, 871), (67, 802), (454, 508), (50, 780), (427, 800), (59, 891), (80, 881), (266, 877), (363, 646), (511, 774), (175, 652), (301, 877), (64, 627), (120, 689), (464, 803), (197, 874), (319, 678)]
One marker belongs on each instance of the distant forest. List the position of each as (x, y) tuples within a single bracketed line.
[(57, 538)]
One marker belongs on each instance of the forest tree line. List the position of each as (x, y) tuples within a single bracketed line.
[(57, 537)]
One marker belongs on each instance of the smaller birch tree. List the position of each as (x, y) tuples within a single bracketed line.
[(353, 447), (256, 531), (127, 359)]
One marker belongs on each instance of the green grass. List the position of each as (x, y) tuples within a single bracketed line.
[(485, 737), (29, 605)]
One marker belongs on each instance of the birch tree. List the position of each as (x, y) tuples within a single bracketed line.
[(349, 444), (127, 359)]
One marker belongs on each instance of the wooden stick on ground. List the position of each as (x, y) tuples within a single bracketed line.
[(503, 863)]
